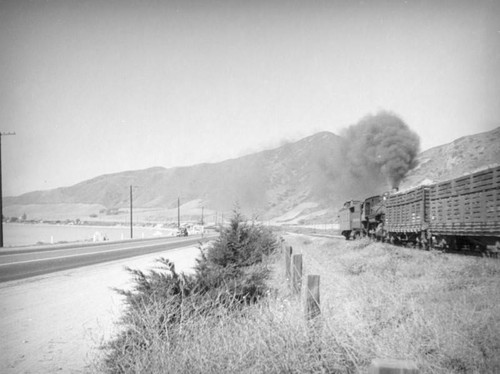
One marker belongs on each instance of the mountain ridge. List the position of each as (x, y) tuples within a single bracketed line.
[(301, 180), (464, 155)]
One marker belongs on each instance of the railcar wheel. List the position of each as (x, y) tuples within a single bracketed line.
[(346, 234)]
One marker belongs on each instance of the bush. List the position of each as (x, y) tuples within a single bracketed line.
[(241, 244), (229, 274)]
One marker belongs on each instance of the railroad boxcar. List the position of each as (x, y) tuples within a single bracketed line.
[(350, 219), (465, 212), (407, 216)]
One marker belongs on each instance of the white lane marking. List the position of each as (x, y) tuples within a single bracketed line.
[(113, 244), (91, 253), (110, 244)]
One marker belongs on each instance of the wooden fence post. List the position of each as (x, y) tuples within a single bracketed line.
[(389, 366), (312, 297), (297, 273), (288, 260)]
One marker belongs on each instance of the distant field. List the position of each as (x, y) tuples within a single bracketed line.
[(18, 234), (52, 211), (190, 210)]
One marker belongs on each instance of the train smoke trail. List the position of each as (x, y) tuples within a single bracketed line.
[(381, 144)]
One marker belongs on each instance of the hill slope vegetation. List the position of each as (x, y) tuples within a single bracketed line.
[(305, 180)]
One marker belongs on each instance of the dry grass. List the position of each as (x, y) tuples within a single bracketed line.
[(377, 301), (439, 310)]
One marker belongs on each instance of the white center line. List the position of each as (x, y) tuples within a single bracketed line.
[(91, 253)]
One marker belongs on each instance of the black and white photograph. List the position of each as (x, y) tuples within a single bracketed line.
[(250, 186)]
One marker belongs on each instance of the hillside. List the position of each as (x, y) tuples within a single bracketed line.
[(303, 181), (452, 160), (267, 183)]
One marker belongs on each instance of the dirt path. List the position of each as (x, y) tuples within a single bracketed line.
[(56, 322)]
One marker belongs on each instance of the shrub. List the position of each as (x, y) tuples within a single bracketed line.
[(229, 275), (241, 244)]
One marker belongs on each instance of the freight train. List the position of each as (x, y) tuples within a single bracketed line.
[(459, 214)]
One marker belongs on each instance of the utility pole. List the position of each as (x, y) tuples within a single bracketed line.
[(1, 194), (131, 227), (178, 212), (202, 225)]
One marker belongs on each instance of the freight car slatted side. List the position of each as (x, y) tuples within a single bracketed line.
[(406, 212), (467, 205)]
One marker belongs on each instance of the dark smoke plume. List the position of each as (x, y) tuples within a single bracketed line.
[(381, 145)]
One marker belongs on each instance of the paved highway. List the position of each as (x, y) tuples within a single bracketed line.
[(31, 262)]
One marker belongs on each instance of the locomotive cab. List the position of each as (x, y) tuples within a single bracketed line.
[(350, 219), (373, 215)]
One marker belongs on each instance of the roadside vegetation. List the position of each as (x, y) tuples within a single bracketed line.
[(165, 310), (379, 301), (236, 314)]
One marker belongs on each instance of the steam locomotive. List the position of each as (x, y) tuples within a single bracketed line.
[(459, 214)]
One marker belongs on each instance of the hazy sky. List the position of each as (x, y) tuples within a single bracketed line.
[(96, 87)]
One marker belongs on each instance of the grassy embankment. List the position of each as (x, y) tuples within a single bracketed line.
[(377, 301)]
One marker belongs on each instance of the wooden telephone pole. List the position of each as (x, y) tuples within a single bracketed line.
[(1, 194), (131, 225)]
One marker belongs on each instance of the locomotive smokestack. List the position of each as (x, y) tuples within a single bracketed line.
[(382, 144)]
